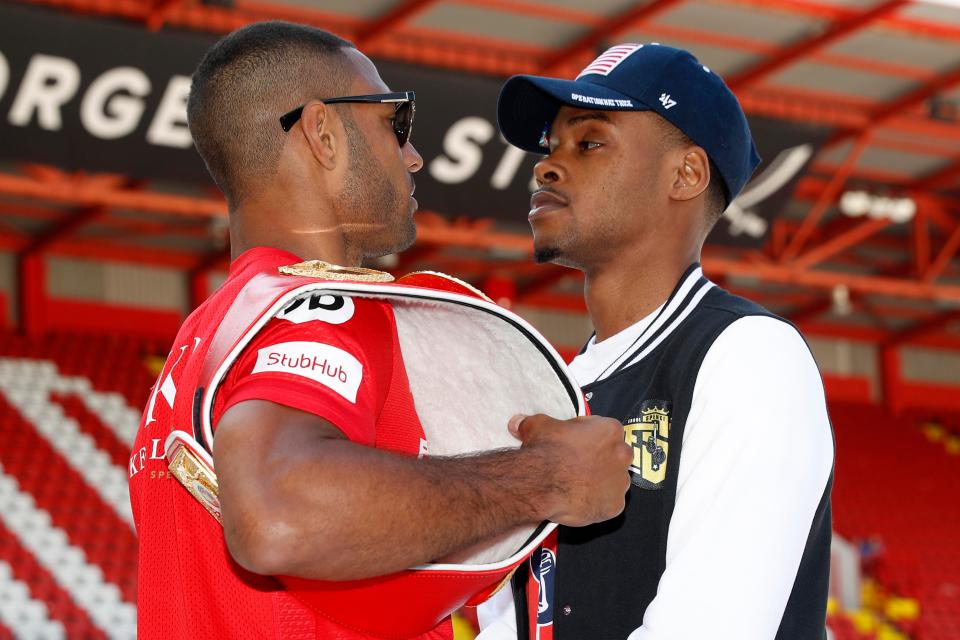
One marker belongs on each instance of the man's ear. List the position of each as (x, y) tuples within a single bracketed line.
[(318, 127), (691, 175)]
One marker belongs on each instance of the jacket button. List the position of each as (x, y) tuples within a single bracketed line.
[(567, 609)]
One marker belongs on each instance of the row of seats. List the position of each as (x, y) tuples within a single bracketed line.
[(109, 362), (69, 409), (895, 491), (891, 484)]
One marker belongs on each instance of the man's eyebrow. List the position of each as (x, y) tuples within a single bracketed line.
[(593, 115)]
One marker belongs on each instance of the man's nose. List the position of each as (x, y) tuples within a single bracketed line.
[(412, 157)]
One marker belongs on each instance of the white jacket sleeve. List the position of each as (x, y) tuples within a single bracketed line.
[(757, 454)]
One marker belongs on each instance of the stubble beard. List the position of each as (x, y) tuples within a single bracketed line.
[(546, 254), (372, 201), (557, 250)]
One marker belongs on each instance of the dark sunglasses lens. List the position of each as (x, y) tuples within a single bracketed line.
[(403, 122)]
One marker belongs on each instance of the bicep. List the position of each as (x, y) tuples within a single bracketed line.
[(254, 437), (339, 372), (257, 443), (757, 455)]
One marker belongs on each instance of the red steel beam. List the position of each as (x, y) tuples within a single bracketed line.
[(935, 206), (159, 11), (123, 228), (936, 209), (29, 211), (340, 23), (540, 10), (78, 192), (810, 311), (920, 235), (794, 52), (767, 48), (915, 97), (826, 199), (369, 33), (32, 272), (833, 12), (65, 227), (458, 51), (912, 98), (891, 377), (463, 52), (919, 147), (947, 253), (115, 252), (591, 40), (787, 274), (888, 178), (923, 328), (935, 340), (841, 242), (940, 178), (198, 276)]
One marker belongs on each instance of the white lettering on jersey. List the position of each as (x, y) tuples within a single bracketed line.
[(315, 306), (168, 388), (323, 363)]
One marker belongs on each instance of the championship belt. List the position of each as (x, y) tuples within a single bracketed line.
[(471, 365)]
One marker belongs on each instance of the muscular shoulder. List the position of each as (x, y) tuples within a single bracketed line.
[(327, 313), (329, 355)]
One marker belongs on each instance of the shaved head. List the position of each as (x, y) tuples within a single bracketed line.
[(245, 83)]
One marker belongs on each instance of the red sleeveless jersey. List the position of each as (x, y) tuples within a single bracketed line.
[(334, 356)]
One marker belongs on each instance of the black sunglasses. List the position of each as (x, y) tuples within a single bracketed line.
[(402, 116)]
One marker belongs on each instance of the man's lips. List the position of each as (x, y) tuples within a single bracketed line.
[(543, 201)]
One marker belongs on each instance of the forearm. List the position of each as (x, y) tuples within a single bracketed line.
[(358, 512), (298, 498)]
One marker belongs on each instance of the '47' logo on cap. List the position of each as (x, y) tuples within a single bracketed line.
[(667, 101)]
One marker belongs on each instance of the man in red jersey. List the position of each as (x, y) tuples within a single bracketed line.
[(318, 466)]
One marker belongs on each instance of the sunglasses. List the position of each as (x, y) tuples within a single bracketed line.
[(402, 116)]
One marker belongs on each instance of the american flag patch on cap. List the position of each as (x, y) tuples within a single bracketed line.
[(609, 59)]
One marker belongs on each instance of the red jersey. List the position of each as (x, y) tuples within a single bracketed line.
[(334, 356)]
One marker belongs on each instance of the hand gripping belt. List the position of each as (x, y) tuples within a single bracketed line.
[(471, 365)]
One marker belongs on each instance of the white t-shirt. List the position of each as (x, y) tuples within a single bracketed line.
[(757, 454)]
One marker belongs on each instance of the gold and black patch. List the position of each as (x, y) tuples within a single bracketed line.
[(649, 435)]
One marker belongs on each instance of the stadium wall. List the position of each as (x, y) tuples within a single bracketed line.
[(151, 301)]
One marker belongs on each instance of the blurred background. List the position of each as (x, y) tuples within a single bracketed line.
[(111, 232)]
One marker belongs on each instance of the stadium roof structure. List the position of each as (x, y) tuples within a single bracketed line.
[(865, 248)]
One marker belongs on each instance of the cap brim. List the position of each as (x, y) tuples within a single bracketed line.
[(528, 105)]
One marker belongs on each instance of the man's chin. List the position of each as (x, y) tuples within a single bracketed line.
[(542, 255), (403, 240)]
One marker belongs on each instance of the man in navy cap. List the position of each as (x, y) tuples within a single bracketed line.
[(726, 533)]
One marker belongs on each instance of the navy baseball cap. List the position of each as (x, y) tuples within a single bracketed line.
[(639, 77)]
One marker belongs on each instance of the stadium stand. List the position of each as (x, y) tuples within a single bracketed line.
[(66, 531), (894, 493), (109, 224), (69, 405)]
